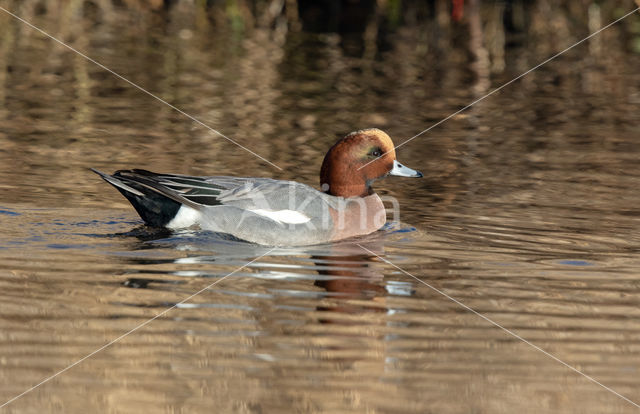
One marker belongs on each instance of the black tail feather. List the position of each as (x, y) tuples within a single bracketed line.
[(155, 205)]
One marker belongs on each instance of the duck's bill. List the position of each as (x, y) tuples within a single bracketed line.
[(400, 170)]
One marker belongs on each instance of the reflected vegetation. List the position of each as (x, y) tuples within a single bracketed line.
[(528, 212), (286, 80)]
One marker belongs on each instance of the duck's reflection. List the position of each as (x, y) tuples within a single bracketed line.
[(351, 279), (349, 275)]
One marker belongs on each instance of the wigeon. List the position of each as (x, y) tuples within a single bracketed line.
[(274, 212)]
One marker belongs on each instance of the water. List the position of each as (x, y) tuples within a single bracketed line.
[(528, 214)]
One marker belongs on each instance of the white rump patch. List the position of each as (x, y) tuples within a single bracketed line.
[(284, 216), (186, 217)]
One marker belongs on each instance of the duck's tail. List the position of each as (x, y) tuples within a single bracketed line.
[(156, 204)]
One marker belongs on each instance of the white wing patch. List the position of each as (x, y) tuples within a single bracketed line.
[(284, 216), (185, 217)]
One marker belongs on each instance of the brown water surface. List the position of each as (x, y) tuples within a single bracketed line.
[(528, 213)]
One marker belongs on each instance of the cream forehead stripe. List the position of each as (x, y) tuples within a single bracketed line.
[(283, 216)]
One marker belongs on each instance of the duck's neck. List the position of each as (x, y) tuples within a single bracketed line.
[(348, 191), (340, 178), (344, 185)]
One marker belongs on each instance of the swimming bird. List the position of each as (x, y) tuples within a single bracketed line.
[(274, 212)]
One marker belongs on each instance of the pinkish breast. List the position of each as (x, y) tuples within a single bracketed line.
[(358, 216)]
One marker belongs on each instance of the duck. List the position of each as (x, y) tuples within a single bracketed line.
[(273, 212)]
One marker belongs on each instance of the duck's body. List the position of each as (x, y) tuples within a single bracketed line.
[(273, 212)]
